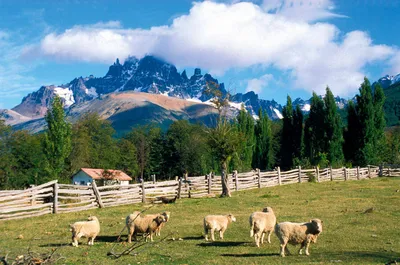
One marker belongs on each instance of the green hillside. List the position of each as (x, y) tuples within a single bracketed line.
[(392, 105)]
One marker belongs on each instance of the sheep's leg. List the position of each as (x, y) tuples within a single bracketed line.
[(269, 236), (283, 248), (257, 238), (74, 241), (130, 232), (89, 241), (92, 241), (212, 234), (221, 233), (301, 248), (262, 237), (307, 246), (287, 250), (206, 233)]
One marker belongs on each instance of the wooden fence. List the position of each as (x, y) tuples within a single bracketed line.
[(53, 197)]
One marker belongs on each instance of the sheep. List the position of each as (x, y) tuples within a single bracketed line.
[(217, 223), (167, 200), (89, 229), (261, 223), (147, 224), (298, 233), (166, 216)]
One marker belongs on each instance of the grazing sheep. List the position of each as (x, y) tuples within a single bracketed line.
[(298, 233), (89, 229), (147, 224), (217, 223), (261, 223), (168, 200), (166, 216)]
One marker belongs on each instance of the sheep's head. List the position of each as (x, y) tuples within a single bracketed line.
[(92, 218), (166, 216), (232, 218), (160, 219), (267, 210), (317, 224)]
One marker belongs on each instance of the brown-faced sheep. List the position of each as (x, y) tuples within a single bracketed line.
[(166, 216), (217, 223), (298, 233), (262, 223), (146, 224), (89, 229)]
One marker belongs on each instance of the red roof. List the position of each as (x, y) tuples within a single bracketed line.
[(96, 173)]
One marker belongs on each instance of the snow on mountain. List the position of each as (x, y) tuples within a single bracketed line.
[(388, 80), (91, 92), (278, 113), (306, 107), (66, 94), (236, 105)]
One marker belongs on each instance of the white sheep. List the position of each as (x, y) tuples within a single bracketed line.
[(217, 223), (298, 233), (262, 223), (89, 229), (166, 216), (146, 224)]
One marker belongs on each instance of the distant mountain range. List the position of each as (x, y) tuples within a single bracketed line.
[(124, 89)]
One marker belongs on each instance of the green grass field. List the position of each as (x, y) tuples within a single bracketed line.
[(350, 236)]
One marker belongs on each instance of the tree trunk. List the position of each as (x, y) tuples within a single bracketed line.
[(226, 192)]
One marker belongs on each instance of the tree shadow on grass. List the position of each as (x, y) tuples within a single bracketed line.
[(385, 256), (221, 244), (250, 255), (110, 239)]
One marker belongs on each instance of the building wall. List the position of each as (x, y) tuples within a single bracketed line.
[(81, 178)]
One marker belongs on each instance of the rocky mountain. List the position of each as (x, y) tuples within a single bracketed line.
[(147, 75), (388, 80), (305, 105)]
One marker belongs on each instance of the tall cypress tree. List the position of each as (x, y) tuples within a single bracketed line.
[(287, 133), (333, 131), (263, 153), (365, 111), (380, 124), (297, 135), (314, 130), (57, 139)]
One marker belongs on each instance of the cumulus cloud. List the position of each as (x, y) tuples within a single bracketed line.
[(257, 84), (395, 64), (221, 36)]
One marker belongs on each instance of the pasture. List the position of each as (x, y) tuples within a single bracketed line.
[(350, 236)]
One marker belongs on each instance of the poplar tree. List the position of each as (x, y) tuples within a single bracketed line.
[(297, 135), (314, 131), (57, 139), (287, 134), (380, 124), (352, 135), (245, 124), (333, 131), (263, 153)]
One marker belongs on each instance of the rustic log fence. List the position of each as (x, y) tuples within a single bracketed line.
[(53, 197)]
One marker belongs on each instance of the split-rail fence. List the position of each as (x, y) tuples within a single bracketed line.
[(53, 197)]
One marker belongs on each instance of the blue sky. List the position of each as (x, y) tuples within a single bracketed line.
[(274, 47)]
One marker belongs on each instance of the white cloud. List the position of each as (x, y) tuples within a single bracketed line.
[(395, 64), (221, 36), (257, 84)]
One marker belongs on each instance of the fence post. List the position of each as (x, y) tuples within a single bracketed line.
[(154, 178), (299, 174), (279, 175), (388, 174), (381, 170), (330, 170), (345, 173), (143, 192), (97, 194), (55, 198), (259, 178), (317, 169), (235, 175), (187, 184), (369, 171), (179, 187), (358, 173), (209, 183)]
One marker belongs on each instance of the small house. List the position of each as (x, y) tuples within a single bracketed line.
[(85, 176)]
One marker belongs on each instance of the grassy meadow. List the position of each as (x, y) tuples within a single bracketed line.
[(349, 236)]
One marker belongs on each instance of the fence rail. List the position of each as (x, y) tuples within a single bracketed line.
[(53, 197)]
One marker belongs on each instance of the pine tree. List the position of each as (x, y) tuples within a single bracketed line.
[(287, 133), (333, 131), (297, 137), (57, 140), (314, 131), (380, 124)]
